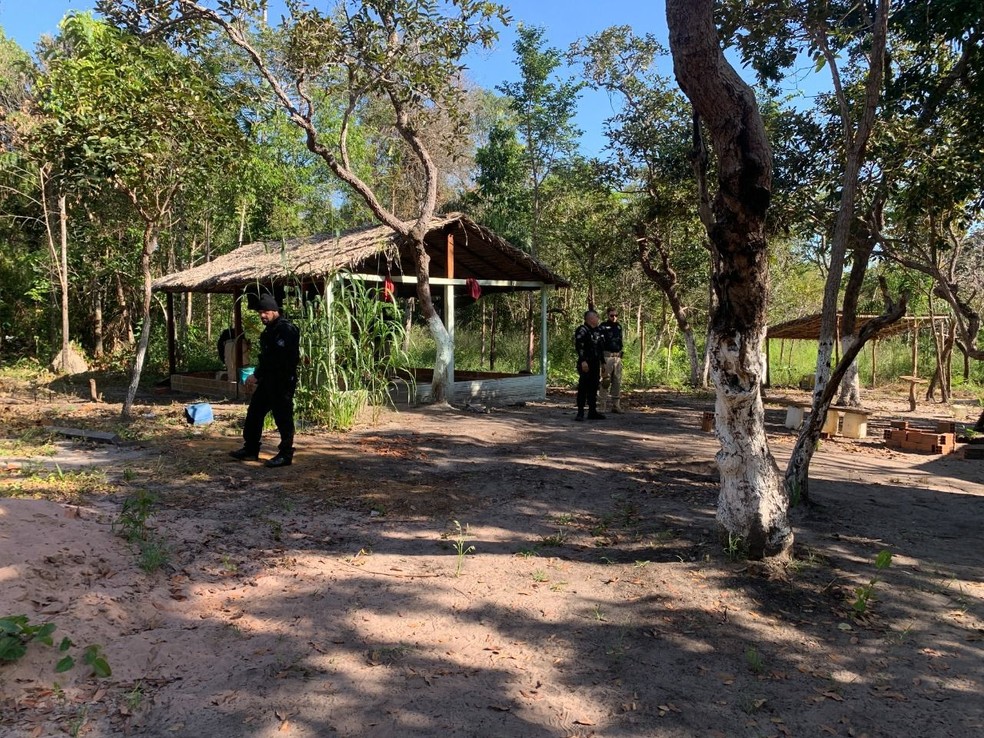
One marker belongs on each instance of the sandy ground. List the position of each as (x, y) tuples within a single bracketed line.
[(513, 573)]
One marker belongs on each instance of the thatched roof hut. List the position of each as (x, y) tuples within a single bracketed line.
[(464, 257), (459, 248)]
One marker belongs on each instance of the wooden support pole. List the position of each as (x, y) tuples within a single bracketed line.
[(172, 354), (768, 363), (543, 333), (449, 311), (874, 375), (915, 348)]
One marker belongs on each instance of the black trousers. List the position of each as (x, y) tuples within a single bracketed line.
[(276, 400), (587, 386)]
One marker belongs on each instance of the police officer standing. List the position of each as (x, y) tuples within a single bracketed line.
[(611, 366), (588, 346), (273, 384)]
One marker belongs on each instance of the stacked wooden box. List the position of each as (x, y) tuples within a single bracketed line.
[(901, 436)]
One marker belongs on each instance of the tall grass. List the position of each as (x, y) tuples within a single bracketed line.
[(351, 347)]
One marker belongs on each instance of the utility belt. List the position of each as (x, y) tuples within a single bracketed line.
[(610, 354)]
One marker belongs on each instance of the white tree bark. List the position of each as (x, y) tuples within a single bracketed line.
[(753, 503), (850, 386)]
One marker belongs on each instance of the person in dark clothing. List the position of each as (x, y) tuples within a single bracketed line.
[(273, 384), (611, 362), (588, 346)]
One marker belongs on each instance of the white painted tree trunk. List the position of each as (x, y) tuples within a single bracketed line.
[(850, 386), (441, 383), (753, 503)]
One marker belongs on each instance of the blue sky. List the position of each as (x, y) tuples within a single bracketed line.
[(565, 21)]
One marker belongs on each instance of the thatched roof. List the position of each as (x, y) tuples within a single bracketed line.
[(478, 254), (808, 327)]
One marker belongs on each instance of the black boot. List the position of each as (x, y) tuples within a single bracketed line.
[(595, 415), (580, 415), (283, 458), (244, 454)]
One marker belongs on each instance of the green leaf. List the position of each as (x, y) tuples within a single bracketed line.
[(100, 667), (66, 643), (64, 664), (884, 559)]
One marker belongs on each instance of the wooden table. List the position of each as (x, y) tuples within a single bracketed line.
[(913, 381)]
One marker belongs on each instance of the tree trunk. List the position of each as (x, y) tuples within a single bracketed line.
[(797, 471), (856, 135), (650, 243), (850, 385), (97, 318), (443, 361), (149, 247), (752, 507)]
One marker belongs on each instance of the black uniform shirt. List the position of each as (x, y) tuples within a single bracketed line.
[(280, 353), (588, 344), (612, 333)]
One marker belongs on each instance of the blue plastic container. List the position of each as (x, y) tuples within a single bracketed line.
[(244, 372)]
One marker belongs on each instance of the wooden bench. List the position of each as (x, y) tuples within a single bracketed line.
[(913, 381), (855, 423), (795, 412)]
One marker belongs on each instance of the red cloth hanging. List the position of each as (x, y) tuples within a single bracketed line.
[(474, 288), (389, 290)]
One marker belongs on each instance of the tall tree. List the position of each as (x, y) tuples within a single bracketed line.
[(544, 110), (753, 504), (138, 116), (770, 35), (404, 52), (650, 142)]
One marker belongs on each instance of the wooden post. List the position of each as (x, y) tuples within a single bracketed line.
[(915, 348), (642, 347), (874, 343), (543, 333), (172, 356), (449, 312), (237, 328), (768, 362)]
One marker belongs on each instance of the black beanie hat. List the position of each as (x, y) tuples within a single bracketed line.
[(267, 302)]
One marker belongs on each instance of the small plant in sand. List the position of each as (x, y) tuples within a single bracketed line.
[(131, 524), (461, 550), (754, 660), (17, 632), (735, 548), (862, 595)]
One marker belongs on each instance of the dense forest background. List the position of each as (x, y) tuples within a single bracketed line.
[(124, 153)]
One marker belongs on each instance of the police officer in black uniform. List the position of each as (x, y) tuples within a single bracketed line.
[(588, 344), (273, 384), (611, 362)]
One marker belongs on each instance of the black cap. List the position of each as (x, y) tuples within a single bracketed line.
[(267, 302)]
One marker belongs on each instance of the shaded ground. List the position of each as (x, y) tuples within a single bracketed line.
[(590, 596)]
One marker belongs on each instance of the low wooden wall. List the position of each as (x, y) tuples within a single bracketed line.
[(205, 384), (499, 389)]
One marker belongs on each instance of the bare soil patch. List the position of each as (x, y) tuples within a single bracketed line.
[(330, 599)]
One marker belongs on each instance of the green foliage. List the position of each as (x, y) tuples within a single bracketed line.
[(17, 632), (351, 348), (862, 595), (131, 524), (461, 550)]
